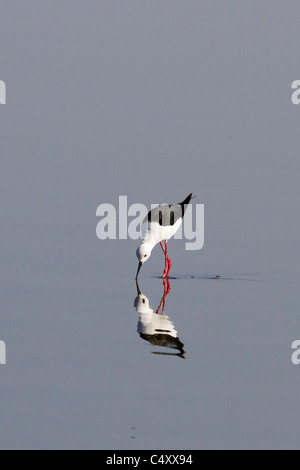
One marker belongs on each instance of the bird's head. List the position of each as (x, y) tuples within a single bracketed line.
[(143, 253)]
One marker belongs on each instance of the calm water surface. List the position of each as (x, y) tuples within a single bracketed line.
[(152, 100), (80, 374)]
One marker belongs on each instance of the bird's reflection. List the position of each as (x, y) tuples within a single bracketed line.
[(156, 327)]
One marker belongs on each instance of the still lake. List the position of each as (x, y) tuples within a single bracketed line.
[(80, 375), (152, 101)]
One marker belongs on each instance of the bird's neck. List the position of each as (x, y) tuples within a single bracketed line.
[(149, 243)]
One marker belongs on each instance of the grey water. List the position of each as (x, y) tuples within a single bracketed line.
[(153, 100)]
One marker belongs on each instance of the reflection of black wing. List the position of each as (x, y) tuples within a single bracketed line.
[(166, 341)]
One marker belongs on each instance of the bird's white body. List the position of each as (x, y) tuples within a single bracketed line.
[(155, 233)]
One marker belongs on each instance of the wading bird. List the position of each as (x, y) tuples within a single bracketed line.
[(162, 224)]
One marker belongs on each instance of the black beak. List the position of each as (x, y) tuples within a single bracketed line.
[(138, 287), (139, 268)]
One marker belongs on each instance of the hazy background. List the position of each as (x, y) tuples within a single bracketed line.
[(153, 100)]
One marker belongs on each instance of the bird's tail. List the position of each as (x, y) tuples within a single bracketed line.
[(188, 199)]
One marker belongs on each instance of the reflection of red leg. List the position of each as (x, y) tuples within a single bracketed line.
[(166, 268), (169, 266), (164, 297), (167, 290)]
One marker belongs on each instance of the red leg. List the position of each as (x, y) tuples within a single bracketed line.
[(168, 262), (163, 248), (169, 267), (166, 259)]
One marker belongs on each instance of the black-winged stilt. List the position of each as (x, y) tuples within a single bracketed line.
[(162, 224)]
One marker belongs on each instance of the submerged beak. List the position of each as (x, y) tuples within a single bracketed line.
[(139, 268)]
